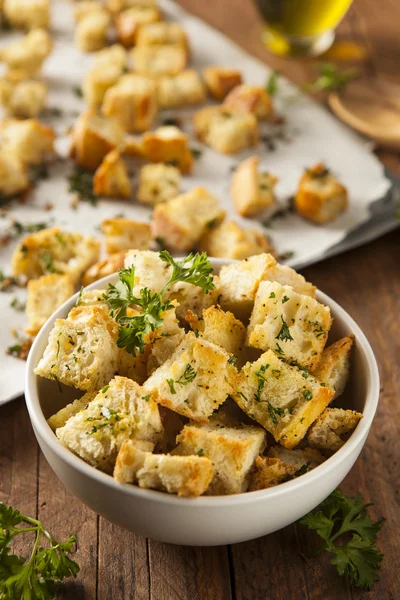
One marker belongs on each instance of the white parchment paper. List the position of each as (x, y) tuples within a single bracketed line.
[(310, 135)]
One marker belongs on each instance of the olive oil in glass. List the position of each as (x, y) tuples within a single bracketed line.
[(300, 27)]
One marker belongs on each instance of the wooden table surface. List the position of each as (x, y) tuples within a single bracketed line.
[(118, 565)]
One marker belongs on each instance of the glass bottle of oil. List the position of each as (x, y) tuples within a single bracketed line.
[(300, 27)]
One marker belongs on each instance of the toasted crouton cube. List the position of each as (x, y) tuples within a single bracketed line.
[(45, 295), (162, 33), (55, 251), (153, 273), (120, 411), (91, 30), (250, 98), (84, 7), (182, 475), (156, 61), (93, 137), (329, 431), (181, 222), (229, 240), (226, 130), (195, 380), (112, 55), (184, 88), (29, 140), (31, 14), (303, 459), (93, 298), (82, 350), (124, 234), (334, 366), (158, 183), (269, 472), (282, 398), (60, 418), (221, 80), (219, 327), (23, 99), (13, 176), (252, 192), (168, 144), (240, 281), (232, 451), (132, 101), (108, 266), (111, 178), (163, 342), (320, 196), (129, 22), (98, 80), (294, 326), (29, 53)]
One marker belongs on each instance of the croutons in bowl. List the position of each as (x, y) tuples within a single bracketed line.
[(230, 418)]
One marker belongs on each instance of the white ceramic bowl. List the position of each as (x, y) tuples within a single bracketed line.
[(205, 521)]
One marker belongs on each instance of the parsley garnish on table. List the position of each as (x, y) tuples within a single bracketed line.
[(35, 577), (134, 330), (348, 534), (331, 79)]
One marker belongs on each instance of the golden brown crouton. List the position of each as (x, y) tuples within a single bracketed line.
[(13, 175), (28, 54), (124, 234), (181, 89), (109, 65), (269, 472), (181, 222), (229, 240), (219, 327), (295, 327), (232, 450), (320, 196), (156, 61), (252, 192), (250, 98), (168, 144), (60, 418), (181, 475), (158, 183), (91, 30), (93, 137), (162, 33), (108, 266), (221, 80), (226, 130), (132, 101), (129, 22), (329, 431), (120, 411), (334, 366), (82, 349), (24, 99), (28, 140), (111, 178), (27, 15), (55, 251), (45, 295), (282, 398), (195, 380)]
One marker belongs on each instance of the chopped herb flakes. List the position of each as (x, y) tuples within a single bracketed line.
[(275, 412), (284, 333), (81, 183)]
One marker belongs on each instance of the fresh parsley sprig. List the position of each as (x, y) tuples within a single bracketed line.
[(134, 330), (330, 78), (350, 535), (33, 578)]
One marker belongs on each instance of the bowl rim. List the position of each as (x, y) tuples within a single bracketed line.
[(358, 437)]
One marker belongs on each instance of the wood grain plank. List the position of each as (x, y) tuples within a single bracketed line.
[(18, 465), (180, 572), (64, 515), (270, 567), (123, 570)]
